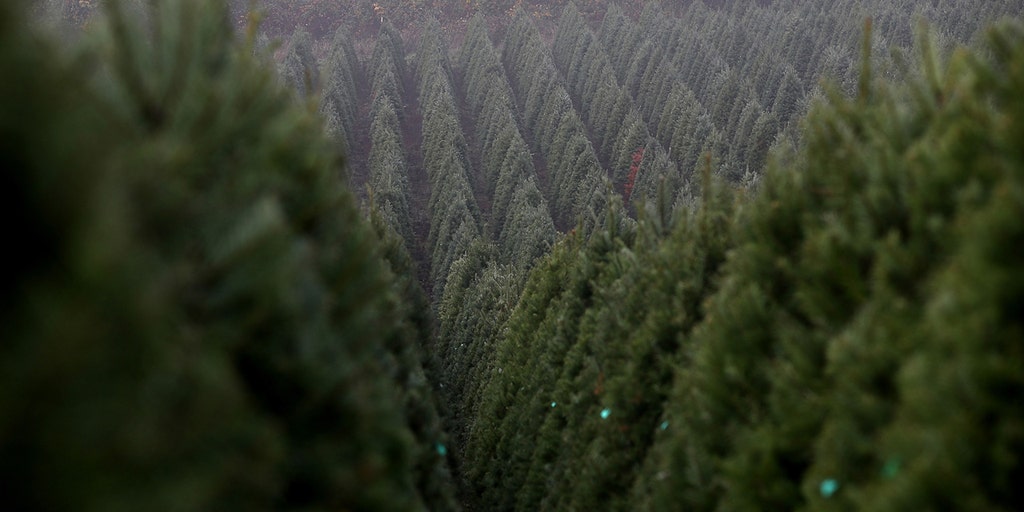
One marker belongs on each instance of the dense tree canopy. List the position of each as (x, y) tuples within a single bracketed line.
[(513, 255)]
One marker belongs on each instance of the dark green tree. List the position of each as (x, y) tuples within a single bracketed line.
[(205, 321)]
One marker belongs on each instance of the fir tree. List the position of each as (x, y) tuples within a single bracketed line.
[(219, 301)]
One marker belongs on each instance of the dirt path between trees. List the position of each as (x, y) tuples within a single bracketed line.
[(419, 182)]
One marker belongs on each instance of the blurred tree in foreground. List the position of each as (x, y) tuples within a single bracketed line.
[(195, 317)]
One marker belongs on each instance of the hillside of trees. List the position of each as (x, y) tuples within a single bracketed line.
[(513, 255)]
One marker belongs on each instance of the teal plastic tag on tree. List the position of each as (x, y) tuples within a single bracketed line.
[(891, 468), (441, 450), (664, 425), (605, 413), (553, 404), (828, 487)]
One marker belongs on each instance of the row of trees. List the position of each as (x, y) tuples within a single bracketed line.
[(598, 339), (454, 215), (520, 223), (342, 76), (650, 124), (681, 119), (478, 261), (459, 255), (388, 168), (299, 69), (322, 17), (199, 316), (733, 79), (390, 197), (845, 338), (484, 284), (580, 381), (638, 163), (577, 190)]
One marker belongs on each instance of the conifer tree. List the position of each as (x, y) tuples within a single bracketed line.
[(299, 69), (576, 185), (388, 70), (389, 183), (207, 322), (830, 328), (340, 97), (455, 217)]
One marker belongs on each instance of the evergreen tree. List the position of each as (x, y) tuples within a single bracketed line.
[(299, 69), (204, 321), (339, 104), (388, 183), (800, 368)]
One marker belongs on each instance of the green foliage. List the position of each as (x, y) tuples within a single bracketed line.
[(576, 179), (339, 103), (388, 181), (388, 61), (454, 215), (520, 221), (299, 69), (611, 117), (411, 344), (202, 319), (561, 347), (844, 339), (199, 318)]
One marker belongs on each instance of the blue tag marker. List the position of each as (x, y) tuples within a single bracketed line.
[(828, 487), (605, 413), (441, 450), (553, 404), (664, 425)]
